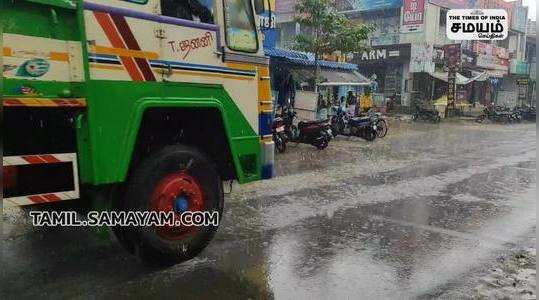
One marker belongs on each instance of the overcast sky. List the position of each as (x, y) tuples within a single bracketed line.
[(532, 8)]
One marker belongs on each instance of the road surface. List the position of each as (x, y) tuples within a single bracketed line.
[(417, 214)]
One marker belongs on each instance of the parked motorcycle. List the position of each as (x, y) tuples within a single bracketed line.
[(423, 114), (364, 127), (526, 113), (339, 121), (496, 114), (316, 133), (516, 116), (379, 120), (279, 135)]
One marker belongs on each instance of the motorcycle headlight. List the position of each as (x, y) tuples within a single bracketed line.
[(374, 127)]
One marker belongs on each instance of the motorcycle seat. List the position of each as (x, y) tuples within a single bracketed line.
[(362, 119), (307, 123)]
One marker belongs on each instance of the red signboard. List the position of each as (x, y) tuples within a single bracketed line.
[(489, 49), (413, 15), (491, 57)]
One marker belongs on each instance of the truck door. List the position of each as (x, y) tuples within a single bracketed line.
[(123, 39)]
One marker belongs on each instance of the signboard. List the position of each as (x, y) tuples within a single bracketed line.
[(497, 4), (266, 20), (491, 57), (451, 88), (518, 67), (491, 62), (452, 52), (493, 74), (522, 89), (519, 18), (383, 54), (366, 5), (489, 49), (522, 81), (413, 16), (422, 58), (477, 24)]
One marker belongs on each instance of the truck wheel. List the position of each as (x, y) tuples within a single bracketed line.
[(177, 178)]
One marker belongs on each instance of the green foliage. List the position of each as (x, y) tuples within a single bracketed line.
[(325, 31)]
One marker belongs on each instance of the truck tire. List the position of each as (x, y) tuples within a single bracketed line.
[(175, 178)]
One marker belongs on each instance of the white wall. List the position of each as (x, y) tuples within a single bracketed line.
[(430, 33)]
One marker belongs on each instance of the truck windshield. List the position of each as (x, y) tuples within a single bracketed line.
[(240, 26), (193, 10)]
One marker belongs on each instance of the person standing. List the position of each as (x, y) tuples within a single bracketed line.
[(287, 92), (351, 102), (322, 107)]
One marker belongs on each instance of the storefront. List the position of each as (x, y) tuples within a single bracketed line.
[(294, 70), (495, 62), (386, 66), (431, 68)]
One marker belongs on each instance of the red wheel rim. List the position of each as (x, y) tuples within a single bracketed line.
[(177, 187)]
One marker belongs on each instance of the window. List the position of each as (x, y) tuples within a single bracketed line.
[(240, 26), (193, 10)]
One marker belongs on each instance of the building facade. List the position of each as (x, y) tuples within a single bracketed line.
[(406, 53)]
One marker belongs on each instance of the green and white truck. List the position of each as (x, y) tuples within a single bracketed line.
[(150, 104)]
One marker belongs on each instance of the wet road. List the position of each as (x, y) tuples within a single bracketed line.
[(408, 216)]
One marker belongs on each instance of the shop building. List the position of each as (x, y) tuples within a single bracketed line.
[(386, 66), (295, 70), (416, 30)]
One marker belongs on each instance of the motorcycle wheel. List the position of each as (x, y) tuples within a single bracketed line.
[(370, 135), (321, 143), (334, 126), (480, 119), (381, 128), (293, 133), (280, 144)]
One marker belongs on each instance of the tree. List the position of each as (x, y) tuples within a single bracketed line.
[(327, 31)]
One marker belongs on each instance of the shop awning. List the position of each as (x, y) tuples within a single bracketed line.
[(331, 77), (304, 59), (338, 78), (480, 76), (461, 79)]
